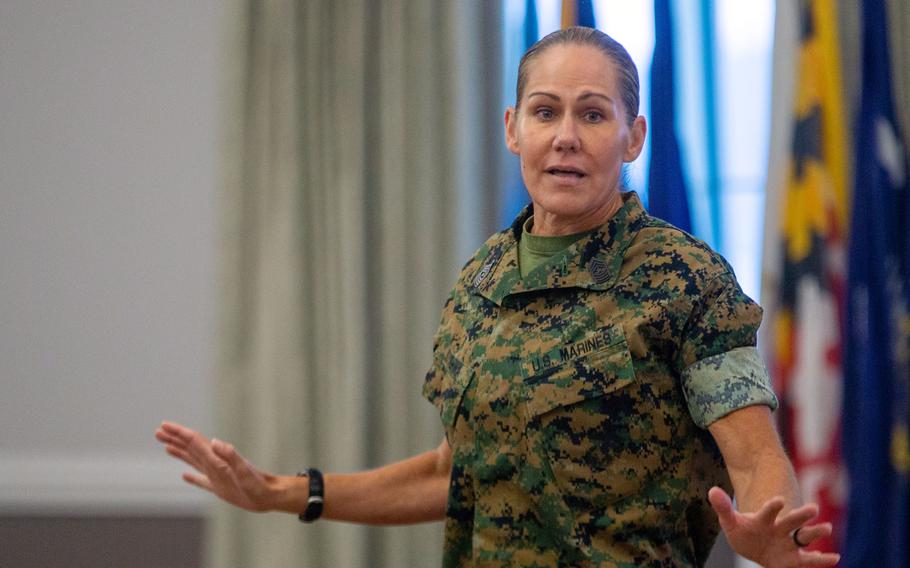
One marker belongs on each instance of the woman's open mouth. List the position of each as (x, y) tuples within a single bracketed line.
[(566, 173)]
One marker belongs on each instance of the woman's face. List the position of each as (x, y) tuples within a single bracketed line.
[(572, 134)]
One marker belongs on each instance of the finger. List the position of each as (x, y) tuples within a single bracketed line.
[(239, 466), (770, 510), (220, 470), (200, 449), (173, 437), (225, 451), (796, 518), (723, 506), (182, 456), (810, 533), (166, 438), (228, 453), (175, 429), (197, 451), (253, 480), (816, 558), (199, 481), (181, 435)]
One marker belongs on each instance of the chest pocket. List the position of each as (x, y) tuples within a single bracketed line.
[(584, 419)]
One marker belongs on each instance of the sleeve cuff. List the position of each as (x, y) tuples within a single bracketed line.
[(719, 384)]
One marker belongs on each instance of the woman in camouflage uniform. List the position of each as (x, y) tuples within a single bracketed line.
[(595, 369)]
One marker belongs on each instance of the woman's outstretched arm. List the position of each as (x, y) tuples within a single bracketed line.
[(414, 490), (770, 508)]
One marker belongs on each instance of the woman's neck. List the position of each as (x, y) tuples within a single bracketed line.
[(547, 224)]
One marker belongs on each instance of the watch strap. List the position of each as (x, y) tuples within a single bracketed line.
[(315, 500)]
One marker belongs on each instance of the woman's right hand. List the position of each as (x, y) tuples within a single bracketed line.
[(221, 470)]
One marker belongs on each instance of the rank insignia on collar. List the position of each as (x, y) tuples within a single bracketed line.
[(599, 270), (488, 267)]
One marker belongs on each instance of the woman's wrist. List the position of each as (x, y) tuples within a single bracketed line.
[(290, 494)]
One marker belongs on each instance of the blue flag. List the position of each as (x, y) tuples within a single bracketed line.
[(877, 371), (667, 197), (530, 28), (515, 196), (585, 13)]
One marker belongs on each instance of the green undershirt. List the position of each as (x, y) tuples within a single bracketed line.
[(535, 250)]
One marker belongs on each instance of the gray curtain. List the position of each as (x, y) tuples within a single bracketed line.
[(362, 156)]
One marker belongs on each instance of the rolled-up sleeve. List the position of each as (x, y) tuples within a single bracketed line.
[(720, 368), (719, 384)]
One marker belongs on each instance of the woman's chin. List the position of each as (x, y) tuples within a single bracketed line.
[(568, 206)]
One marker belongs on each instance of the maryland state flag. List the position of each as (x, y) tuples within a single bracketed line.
[(806, 344), (877, 372), (577, 13)]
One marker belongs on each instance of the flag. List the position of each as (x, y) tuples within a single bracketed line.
[(516, 195), (577, 13), (574, 12), (878, 322), (530, 27), (805, 341), (667, 197), (783, 89)]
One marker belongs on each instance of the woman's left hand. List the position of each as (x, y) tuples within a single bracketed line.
[(766, 536)]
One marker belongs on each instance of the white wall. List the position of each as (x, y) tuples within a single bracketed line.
[(109, 114)]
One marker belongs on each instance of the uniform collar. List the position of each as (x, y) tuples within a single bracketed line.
[(592, 262)]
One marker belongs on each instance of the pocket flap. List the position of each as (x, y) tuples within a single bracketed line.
[(584, 376)]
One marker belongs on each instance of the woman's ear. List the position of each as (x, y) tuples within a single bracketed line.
[(636, 139), (511, 124)]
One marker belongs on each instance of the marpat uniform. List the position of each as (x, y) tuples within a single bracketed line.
[(575, 400)]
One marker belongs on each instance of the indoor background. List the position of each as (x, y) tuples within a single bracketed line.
[(245, 216)]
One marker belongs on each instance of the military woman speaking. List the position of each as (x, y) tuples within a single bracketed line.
[(595, 370)]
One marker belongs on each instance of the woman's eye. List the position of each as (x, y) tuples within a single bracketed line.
[(544, 113), (594, 116)]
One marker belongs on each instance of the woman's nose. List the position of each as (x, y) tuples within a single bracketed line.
[(566, 135)]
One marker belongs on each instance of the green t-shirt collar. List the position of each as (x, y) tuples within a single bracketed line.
[(536, 250)]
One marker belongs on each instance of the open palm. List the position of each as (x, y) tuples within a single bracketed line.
[(219, 468), (765, 536)]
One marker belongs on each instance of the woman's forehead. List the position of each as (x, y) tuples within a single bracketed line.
[(567, 66)]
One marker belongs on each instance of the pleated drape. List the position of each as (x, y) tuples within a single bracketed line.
[(362, 156)]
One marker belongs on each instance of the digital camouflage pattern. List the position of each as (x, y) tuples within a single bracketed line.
[(575, 400)]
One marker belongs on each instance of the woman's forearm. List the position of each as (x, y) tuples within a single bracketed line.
[(769, 475), (414, 490), (756, 461)]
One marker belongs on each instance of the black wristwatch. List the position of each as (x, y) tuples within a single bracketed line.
[(314, 503)]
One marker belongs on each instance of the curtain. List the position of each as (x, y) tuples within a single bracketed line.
[(362, 155)]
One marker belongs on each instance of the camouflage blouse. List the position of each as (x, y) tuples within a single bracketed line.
[(575, 400)]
